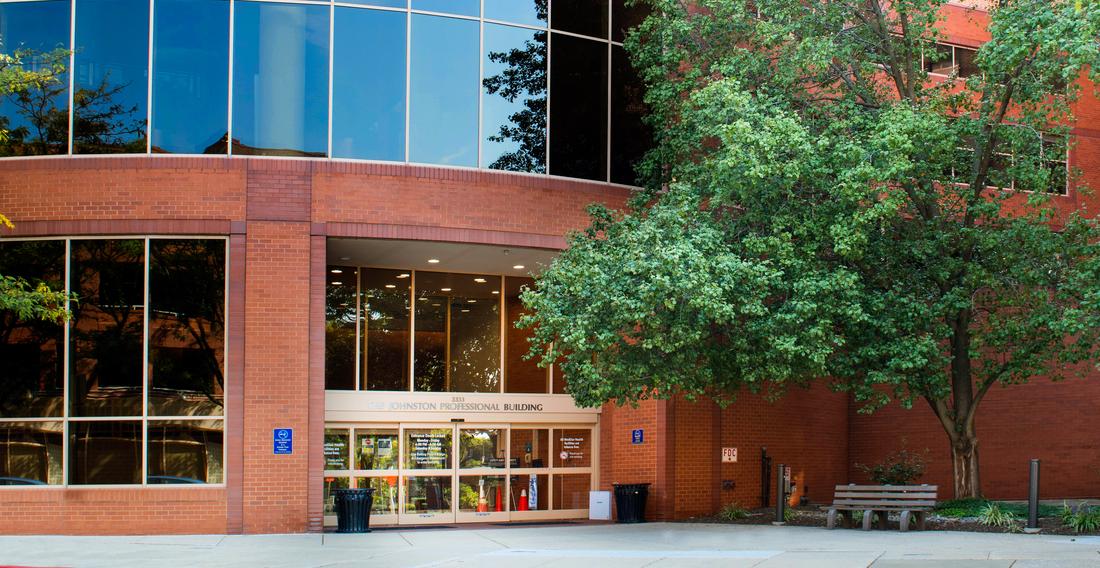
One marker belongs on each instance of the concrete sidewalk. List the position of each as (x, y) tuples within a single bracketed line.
[(604, 546)]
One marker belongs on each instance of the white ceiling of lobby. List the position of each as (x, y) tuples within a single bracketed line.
[(486, 259)]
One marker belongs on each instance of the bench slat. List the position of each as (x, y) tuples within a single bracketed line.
[(872, 504), (874, 508), (866, 495), (895, 488)]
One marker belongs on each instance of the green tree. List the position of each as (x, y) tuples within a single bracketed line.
[(818, 207)]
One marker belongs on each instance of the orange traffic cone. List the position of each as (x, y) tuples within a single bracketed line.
[(500, 501), (523, 500)]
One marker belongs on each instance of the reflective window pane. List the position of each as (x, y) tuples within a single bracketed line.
[(280, 79), (521, 375), (375, 449), (383, 3), (30, 453), (481, 493), (572, 448), (32, 351), (938, 59), (480, 448), (587, 17), (460, 7), (186, 327), (428, 449), (630, 136), (105, 453), (190, 76), (457, 333), (578, 108), (530, 448), (112, 84), (571, 491), (427, 495), (528, 12), (107, 327), (337, 450), (624, 18), (368, 85), (186, 452), (530, 492), (514, 99), (965, 60), (384, 501), (443, 99), (384, 323), (327, 495), (340, 307), (36, 120)]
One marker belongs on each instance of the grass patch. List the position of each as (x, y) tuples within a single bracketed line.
[(959, 508)]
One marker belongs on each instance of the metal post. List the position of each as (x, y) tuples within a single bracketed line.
[(1033, 497), (780, 495), (765, 477)]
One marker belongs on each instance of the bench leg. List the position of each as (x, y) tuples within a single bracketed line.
[(920, 520), (846, 519), (883, 516), (830, 521), (904, 521), (868, 516)]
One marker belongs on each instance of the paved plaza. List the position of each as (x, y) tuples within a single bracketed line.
[(573, 546)]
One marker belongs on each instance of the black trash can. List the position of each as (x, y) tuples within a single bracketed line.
[(353, 509), (630, 502)]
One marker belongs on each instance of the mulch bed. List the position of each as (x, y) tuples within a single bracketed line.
[(813, 516)]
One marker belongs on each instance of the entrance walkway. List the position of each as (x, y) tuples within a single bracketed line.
[(603, 546)]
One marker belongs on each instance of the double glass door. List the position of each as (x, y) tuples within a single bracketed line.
[(425, 473)]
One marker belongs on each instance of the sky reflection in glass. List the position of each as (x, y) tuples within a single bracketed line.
[(460, 7), (42, 27), (444, 91), (527, 12)]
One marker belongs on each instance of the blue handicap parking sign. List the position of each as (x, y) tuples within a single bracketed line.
[(283, 439), (637, 436)]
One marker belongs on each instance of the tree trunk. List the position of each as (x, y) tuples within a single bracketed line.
[(964, 458)]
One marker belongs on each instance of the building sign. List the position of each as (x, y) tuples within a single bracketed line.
[(429, 449), (729, 455), (369, 406), (637, 436), (283, 439)]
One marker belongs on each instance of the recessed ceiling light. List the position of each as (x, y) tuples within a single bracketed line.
[(479, 280), (519, 267), (403, 275), (435, 305), (445, 289), (433, 261), (337, 283), (423, 299), (465, 311), (391, 286), (345, 258), (496, 291), (472, 301), (336, 271)]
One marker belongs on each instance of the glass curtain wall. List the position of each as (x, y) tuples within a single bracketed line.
[(458, 83), (142, 399), (458, 329)]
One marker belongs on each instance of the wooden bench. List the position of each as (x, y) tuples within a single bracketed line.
[(911, 501)]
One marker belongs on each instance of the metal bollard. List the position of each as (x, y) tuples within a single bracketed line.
[(1033, 497), (780, 495)]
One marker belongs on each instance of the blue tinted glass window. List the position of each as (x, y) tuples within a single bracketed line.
[(587, 17), (631, 137), (460, 7), (190, 76), (444, 91), (368, 85), (112, 82), (578, 107), (383, 3), (37, 120), (514, 101), (529, 12), (280, 79)]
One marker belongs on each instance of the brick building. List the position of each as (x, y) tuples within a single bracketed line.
[(312, 221)]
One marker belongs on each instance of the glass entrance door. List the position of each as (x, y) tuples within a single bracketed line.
[(427, 483)]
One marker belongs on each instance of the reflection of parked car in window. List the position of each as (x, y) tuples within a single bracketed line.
[(20, 481), (166, 479)]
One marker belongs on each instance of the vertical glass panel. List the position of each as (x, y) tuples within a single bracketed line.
[(578, 108), (383, 3), (186, 327), (340, 308), (104, 453), (528, 12), (530, 448), (368, 85), (624, 18), (428, 448), (112, 81), (32, 351), (375, 449), (586, 17), (938, 59), (337, 450), (445, 69), (30, 453), (330, 484), (514, 102), (186, 451), (571, 491), (521, 375), (190, 76), (481, 493), (480, 448), (530, 492), (384, 323), (1055, 157), (460, 7), (965, 60), (573, 448), (427, 494), (385, 498), (457, 333), (630, 136), (280, 79), (37, 119), (108, 277)]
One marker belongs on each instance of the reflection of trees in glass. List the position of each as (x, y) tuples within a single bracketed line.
[(475, 347), (340, 334), (34, 82), (524, 78), (102, 125)]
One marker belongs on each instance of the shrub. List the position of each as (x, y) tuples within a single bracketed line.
[(1084, 520), (903, 467), (994, 516), (733, 512)]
